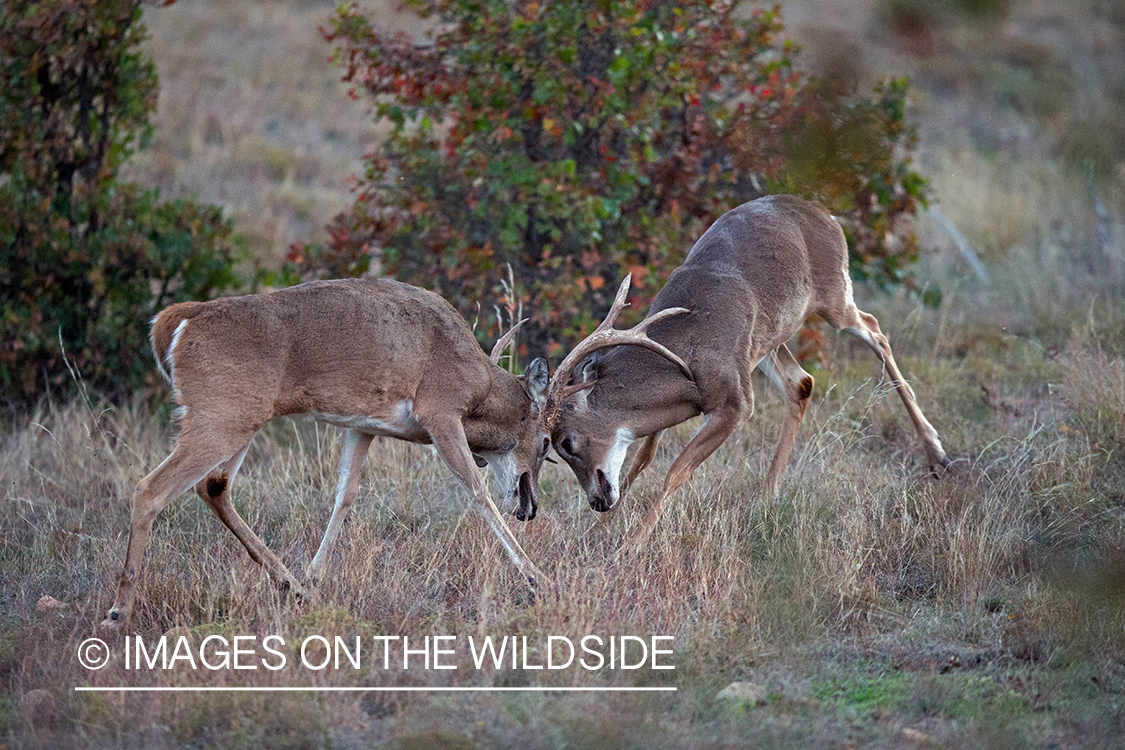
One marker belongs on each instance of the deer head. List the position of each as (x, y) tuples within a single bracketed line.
[(516, 469), (594, 444)]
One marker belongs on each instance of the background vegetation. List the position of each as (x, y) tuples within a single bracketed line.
[(876, 606), (572, 142), (87, 259), (564, 144)]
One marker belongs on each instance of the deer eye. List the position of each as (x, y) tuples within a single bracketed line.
[(565, 447), (546, 447)]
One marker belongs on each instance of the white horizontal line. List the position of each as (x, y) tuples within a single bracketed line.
[(537, 689)]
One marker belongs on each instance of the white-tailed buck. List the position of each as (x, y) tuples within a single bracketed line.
[(374, 356), (745, 288)]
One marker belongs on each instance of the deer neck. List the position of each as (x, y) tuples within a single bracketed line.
[(493, 425), (642, 391)]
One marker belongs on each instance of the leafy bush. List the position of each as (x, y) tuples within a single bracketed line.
[(85, 261), (577, 140)]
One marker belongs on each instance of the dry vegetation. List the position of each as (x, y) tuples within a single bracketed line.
[(878, 607), (984, 608)]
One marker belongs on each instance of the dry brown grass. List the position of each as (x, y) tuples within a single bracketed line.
[(879, 607), (252, 116), (978, 593)]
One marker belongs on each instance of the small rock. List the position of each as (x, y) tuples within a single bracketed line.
[(37, 705), (48, 604), (33, 698), (919, 738), (743, 694)]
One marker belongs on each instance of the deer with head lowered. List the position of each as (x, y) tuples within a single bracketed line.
[(374, 356), (745, 288)]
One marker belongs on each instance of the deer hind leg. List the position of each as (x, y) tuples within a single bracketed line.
[(352, 457), (195, 456), (641, 460), (215, 492), (796, 386), (866, 327), (714, 432)]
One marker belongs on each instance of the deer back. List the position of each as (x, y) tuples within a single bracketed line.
[(749, 282), (341, 347)]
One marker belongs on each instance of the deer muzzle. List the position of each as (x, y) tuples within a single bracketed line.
[(605, 496), (529, 503)]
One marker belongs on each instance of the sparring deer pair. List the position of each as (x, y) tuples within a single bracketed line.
[(381, 358)]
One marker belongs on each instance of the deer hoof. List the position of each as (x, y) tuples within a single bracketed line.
[(113, 621)]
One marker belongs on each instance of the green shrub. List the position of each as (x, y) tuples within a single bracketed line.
[(85, 261), (576, 140)]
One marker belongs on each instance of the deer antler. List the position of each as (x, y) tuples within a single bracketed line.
[(502, 344), (605, 336)]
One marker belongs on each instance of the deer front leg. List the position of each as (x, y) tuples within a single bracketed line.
[(714, 432), (641, 460), (448, 436), (356, 445)]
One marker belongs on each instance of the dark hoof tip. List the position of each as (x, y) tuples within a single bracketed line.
[(941, 467)]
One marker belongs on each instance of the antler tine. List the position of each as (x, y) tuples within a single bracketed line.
[(499, 347), (604, 336), (619, 304), (644, 324), (584, 348)]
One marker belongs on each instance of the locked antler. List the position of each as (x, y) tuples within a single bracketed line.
[(605, 336)]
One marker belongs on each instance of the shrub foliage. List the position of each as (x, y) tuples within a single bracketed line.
[(86, 260), (577, 140)]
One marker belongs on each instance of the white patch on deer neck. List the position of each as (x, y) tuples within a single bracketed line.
[(616, 457), (502, 466)]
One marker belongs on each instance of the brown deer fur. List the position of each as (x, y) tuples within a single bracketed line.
[(748, 283), (374, 356)]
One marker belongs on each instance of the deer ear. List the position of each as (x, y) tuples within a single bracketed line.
[(587, 374), (535, 381), (588, 370)]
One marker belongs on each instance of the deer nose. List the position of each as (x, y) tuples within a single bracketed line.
[(529, 503), (603, 499)]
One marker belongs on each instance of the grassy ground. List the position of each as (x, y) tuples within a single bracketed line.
[(874, 605)]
